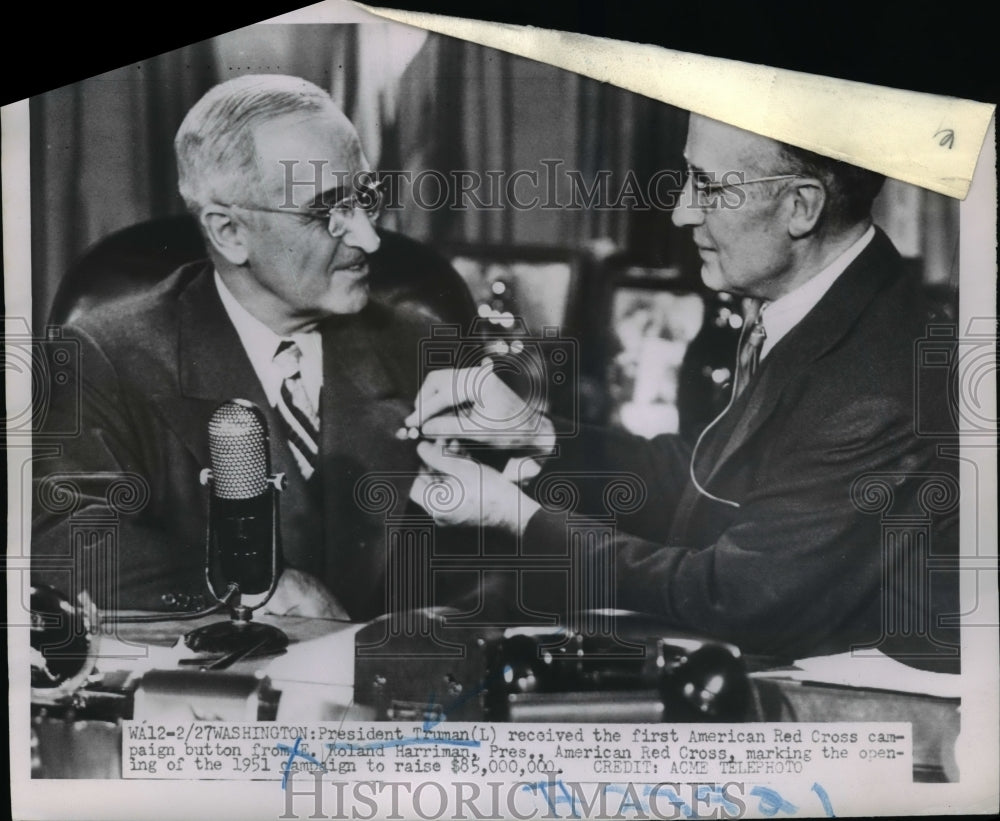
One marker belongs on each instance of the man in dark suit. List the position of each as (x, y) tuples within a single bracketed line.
[(785, 530), (280, 316)]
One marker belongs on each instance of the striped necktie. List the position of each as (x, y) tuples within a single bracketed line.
[(301, 422), (751, 343)]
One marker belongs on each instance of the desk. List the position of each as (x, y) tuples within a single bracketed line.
[(315, 675), (165, 633), (316, 680), (936, 721)]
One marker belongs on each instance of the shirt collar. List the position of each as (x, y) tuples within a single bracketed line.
[(780, 316), (261, 343)]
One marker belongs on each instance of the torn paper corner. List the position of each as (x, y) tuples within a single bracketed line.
[(925, 139)]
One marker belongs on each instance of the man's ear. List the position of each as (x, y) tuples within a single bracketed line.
[(808, 202), (226, 233)]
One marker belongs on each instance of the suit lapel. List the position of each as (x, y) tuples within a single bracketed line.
[(212, 365), (350, 350), (361, 401), (822, 328), (352, 371)]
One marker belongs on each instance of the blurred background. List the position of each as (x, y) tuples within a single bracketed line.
[(654, 347)]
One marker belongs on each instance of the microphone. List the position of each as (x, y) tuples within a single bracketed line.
[(243, 544), (242, 534)]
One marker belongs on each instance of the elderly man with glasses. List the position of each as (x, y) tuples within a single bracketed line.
[(814, 515), (279, 315)]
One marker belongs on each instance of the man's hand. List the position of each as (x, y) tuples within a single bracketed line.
[(474, 404), (457, 490), (299, 594)]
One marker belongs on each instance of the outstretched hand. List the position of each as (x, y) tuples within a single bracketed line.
[(476, 405), (457, 490)]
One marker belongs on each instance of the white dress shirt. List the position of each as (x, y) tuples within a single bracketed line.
[(261, 343), (780, 316)]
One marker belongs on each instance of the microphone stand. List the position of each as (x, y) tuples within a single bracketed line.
[(241, 637)]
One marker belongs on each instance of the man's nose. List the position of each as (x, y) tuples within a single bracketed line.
[(361, 233), (687, 212)]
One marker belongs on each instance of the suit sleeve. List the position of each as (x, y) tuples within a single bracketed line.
[(798, 560), (658, 467), (92, 488)]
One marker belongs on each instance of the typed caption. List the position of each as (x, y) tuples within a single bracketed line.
[(458, 751)]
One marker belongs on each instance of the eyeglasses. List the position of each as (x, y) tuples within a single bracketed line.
[(367, 200), (704, 187)]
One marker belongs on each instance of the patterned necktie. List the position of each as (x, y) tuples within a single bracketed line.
[(752, 342), (301, 422)]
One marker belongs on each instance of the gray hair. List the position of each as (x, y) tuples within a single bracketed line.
[(850, 190), (215, 144)]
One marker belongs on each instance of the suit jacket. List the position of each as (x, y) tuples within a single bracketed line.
[(834, 539), (153, 369)]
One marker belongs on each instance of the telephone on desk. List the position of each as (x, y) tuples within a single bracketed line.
[(627, 669)]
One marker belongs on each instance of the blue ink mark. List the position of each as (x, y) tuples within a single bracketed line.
[(550, 799), (481, 687), (825, 799), (771, 802), (401, 742), (713, 794), (429, 711), (630, 797), (658, 790), (673, 798), (294, 752)]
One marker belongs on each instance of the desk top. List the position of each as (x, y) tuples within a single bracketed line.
[(315, 677), (315, 674)]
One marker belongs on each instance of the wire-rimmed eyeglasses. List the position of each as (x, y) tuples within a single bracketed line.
[(368, 199), (706, 189)]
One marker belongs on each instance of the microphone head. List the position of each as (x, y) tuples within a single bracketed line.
[(237, 444)]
